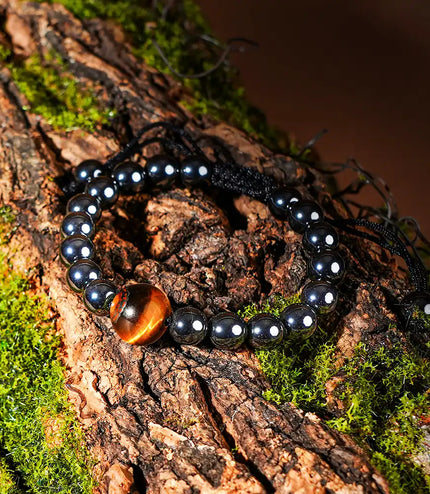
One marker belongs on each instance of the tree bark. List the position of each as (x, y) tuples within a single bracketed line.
[(166, 418)]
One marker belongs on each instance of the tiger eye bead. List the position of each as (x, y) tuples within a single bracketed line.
[(139, 313)]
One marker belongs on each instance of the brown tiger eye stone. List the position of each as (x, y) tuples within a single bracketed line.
[(139, 313)]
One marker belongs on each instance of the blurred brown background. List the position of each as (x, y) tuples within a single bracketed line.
[(360, 69)]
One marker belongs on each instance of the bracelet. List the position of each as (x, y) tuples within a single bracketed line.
[(141, 313)]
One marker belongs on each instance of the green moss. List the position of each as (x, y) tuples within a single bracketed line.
[(298, 373), (7, 481), (7, 224), (38, 429), (216, 95), (55, 95), (384, 396)]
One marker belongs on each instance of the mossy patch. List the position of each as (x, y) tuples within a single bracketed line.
[(54, 94), (39, 434), (8, 483), (382, 395), (180, 35)]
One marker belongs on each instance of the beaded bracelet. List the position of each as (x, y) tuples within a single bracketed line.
[(141, 313)]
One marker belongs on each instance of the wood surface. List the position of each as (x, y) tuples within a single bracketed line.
[(171, 419)]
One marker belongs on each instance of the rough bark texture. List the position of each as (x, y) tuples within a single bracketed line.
[(165, 419)]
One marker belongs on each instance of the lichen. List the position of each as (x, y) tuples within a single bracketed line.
[(54, 94), (383, 395), (39, 434)]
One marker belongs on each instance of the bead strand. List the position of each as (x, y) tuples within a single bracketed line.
[(141, 313)]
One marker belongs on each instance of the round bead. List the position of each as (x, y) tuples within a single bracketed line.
[(162, 170), (76, 247), (105, 189), (300, 321), (281, 201), (87, 170), (321, 296), (139, 313), (188, 326), (81, 273), (130, 177), (78, 223), (265, 331), (327, 266), (196, 170), (320, 236), (85, 203), (304, 213), (227, 331), (98, 296)]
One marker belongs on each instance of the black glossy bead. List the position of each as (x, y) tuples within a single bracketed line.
[(303, 213), (78, 223), (130, 177), (326, 266), (281, 201), (320, 236), (321, 296), (81, 273), (196, 170), (227, 331), (105, 189), (162, 170), (87, 170), (188, 326), (300, 320), (98, 296), (265, 331), (85, 203), (76, 247)]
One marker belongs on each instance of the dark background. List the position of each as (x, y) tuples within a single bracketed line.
[(360, 69)]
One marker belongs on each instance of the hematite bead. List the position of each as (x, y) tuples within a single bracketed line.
[(196, 170), (85, 203), (320, 236), (78, 223), (139, 313), (129, 176), (227, 331), (281, 201), (105, 189), (162, 170), (98, 296), (81, 273), (87, 170), (300, 321), (327, 266), (76, 247), (188, 326), (265, 331), (320, 295), (303, 213)]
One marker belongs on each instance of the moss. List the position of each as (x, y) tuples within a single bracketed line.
[(54, 94), (8, 484), (7, 224), (180, 37), (384, 396), (298, 373), (38, 430)]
